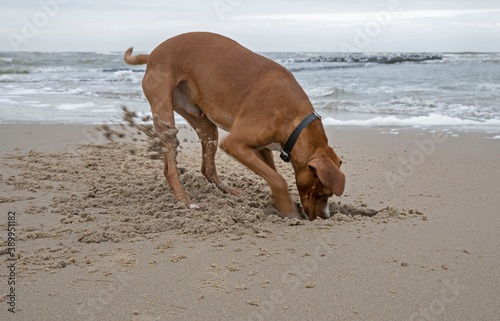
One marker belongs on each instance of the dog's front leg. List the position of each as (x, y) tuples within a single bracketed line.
[(248, 157)]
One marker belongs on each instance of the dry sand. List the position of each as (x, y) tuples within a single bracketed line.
[(101, 238)]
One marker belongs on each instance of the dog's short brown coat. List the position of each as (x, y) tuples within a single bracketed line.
[(212, 81)]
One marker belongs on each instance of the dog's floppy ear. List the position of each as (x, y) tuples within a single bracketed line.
[(328, 173)]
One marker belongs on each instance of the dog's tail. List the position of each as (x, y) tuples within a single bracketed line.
[(135, 60)]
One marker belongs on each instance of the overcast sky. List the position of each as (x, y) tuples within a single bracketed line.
[(264, 26)]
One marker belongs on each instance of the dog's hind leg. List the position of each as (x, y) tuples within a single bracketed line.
[(209, 136), (159, 92)]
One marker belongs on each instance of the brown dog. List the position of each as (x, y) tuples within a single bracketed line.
[(212, 81)]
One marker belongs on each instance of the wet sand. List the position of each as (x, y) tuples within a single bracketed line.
[(99, 236)]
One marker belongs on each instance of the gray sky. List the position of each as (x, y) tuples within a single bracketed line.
[(272, 25)]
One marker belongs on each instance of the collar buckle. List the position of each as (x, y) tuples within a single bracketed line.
[(284, 156)]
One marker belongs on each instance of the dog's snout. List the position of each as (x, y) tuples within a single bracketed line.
[(326, 213), (314, 211)]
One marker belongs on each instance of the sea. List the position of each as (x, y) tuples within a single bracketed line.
[(395, 90)]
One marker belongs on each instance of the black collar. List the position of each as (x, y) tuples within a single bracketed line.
[(285, 153)]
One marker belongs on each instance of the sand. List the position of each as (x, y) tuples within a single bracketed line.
[(100, 236)]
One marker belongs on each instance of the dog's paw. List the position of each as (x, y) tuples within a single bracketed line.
[(296, 214), (291, 216), (194, 207)]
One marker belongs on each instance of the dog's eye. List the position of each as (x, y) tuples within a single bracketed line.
[(323, 197)]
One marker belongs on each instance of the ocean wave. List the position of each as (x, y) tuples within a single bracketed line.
[(122, 69), (13, 71), (36, 70), (367, 58), (318, 67), (6, 60), (463, 110), (392, 121), (6, 101), (323, 92), (410, 106), (104, 111), (5, 78), (473, 57), (109, 53), (126, 76), (58, 69), (75, 106)]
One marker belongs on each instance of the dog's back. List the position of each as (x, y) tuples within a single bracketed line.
[(220, 74)]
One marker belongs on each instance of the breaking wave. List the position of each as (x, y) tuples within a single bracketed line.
[(393, 121), (368, 58)]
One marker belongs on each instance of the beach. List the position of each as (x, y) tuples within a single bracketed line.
[(98, 235), (408, 94)]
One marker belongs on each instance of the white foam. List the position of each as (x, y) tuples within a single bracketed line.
[(59, 69), (392, 121), (76, 91), (321, 91), (103, 111), (6, 101), (127, 76), (75, 106), (14, 91), (494, 137), (7, 60), (406, 105), (6, 78)]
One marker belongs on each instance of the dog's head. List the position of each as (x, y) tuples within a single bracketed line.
[(319, 180)]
